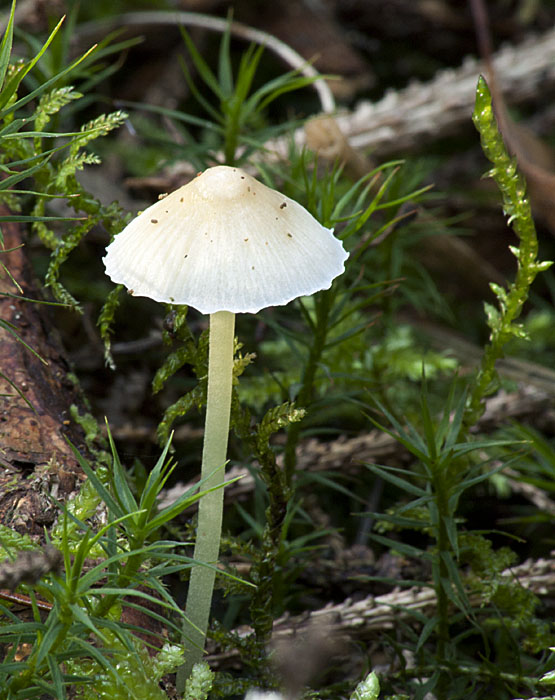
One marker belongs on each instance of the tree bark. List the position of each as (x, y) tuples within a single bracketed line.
[(37, 466)]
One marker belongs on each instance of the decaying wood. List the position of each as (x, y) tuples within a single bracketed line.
[(348, 454), (36, 460), (30, 567), (423, 112), (406, 120), (382, 612), (356, 620)]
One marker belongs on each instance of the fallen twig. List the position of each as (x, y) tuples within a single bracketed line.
[(360, 619)]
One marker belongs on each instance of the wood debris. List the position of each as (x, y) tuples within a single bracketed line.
[(407, 119), (29, 566), (36, 393), (360, 619), (348, 454)]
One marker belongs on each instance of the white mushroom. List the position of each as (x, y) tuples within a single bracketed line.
[(223, 244)]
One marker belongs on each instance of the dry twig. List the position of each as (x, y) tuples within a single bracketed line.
[(360, 619)]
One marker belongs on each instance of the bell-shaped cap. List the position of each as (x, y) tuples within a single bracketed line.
[(225, 242)]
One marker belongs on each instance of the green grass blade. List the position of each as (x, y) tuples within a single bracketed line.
[(44, 86), (6, 46), (225, 73), (103, 492), (13, 83)]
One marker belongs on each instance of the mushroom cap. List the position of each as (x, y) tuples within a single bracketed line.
[(225, 242)]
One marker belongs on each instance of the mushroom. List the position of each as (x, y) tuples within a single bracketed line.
[(223, 244)]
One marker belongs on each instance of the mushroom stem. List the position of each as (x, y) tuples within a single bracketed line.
[(210, 511)]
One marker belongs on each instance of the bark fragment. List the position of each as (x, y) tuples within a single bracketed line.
[(36, 461)]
